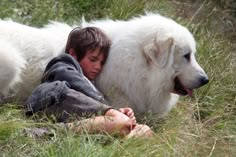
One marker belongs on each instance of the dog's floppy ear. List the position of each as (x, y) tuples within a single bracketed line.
[(158, 51)]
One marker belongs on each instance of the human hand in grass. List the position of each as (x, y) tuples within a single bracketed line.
[(123, 122), (128, 112)]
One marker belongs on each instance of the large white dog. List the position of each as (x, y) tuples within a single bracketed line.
[(151, 61)]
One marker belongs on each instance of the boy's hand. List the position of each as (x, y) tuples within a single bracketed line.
[(141, 130), (128, 112), (126, 123)]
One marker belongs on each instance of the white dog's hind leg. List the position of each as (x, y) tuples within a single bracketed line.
[(11, 66)]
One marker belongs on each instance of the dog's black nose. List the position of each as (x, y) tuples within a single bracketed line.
[(204, 80)]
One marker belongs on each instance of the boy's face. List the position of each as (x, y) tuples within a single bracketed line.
[(92, 63)]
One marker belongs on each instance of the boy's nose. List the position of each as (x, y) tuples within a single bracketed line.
[(98, 66)]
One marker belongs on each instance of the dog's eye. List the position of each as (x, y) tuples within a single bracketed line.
[(187, 56)]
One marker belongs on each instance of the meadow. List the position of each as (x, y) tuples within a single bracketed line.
[(198, 127)]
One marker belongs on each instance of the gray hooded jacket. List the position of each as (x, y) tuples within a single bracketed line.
[(65, 89)]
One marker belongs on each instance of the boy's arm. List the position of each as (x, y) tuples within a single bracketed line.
[(56, 98), (46, 95), (81, 105)]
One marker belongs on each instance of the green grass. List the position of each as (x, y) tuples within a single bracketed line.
[(203, 126)]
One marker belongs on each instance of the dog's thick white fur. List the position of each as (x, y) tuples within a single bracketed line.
[(151, 58)]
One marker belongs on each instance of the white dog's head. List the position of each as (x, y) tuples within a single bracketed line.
[(175, 52), (151, 57)]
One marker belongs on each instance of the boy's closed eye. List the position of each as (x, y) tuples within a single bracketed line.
[(93, 59)]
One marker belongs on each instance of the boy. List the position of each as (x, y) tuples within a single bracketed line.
[(67, 89)]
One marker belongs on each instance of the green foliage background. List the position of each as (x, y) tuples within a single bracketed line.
[(203, 126)]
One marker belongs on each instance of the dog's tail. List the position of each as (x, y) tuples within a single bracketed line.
[(12, 64)]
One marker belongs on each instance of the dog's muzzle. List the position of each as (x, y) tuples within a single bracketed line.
[(180, 89)]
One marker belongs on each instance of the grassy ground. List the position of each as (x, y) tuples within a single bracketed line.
[(203, 126)]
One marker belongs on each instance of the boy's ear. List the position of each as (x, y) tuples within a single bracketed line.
[(72, 53)]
